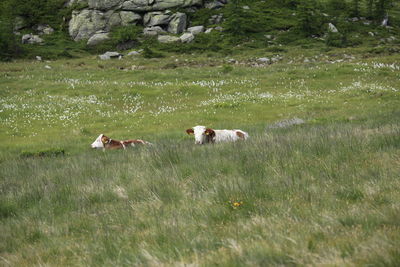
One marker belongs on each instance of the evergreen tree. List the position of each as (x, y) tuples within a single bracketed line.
[(309, 20), (355, 8)]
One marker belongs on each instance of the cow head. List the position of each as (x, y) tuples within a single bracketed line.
[(202, 135), (100, 141)]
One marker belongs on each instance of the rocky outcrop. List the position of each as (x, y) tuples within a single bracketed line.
[(157, 5), (102, 15), (84, 24)]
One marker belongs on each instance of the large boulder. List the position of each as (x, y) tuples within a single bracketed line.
[(196, 30), (178, 23), (157, 18), (129, 18), (158, 5), (98, 38), (31, 39), (168, 39), (104, 4), (187, 37), (86, 23), (153, 31)]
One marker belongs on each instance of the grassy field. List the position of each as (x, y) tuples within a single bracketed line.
[(322, 193)]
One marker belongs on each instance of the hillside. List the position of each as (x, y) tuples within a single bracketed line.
[(64, 29), (315, 184)]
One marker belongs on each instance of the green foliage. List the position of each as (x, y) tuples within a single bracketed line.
[(125, 34), (149, 53), (39, 11), (9, 46), (53, 152), (310, 20)]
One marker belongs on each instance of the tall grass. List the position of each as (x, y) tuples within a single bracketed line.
[(313, 194)]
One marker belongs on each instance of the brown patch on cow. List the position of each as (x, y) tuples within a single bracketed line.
[(210, 135), (240, 134), (190, 131), (116, 144)]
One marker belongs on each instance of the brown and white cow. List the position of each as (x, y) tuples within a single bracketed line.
[(105, 142), (203, 135)]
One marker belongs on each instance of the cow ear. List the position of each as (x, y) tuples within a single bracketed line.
[(104, 139), (190, 131), (209, 131)]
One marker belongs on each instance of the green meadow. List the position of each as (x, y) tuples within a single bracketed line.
[(322, 193)]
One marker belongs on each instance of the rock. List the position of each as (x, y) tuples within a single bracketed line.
[(286, 123), (153, 31), (178, 23), (47, 67), (332, 28), (209, 30), (71, 2), (214, 5), (157, 18), (86, 23), (385, 20), (355, 19), (98, 38), (246, 7), (129, 18), (264, 60), (19, 23), (268, 36), (187, 37), (31, 39), (196, 29), (104, 4), (113, 20), (44, 29), (219, 28), (215, 19), (38, 58), (109, 55), (168, 39), (157, 5), (133, 53), (371, 34)]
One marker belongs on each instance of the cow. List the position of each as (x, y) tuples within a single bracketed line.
[(105, 142), (203, 135)]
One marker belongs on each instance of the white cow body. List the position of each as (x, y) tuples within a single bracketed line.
[(205, 135)]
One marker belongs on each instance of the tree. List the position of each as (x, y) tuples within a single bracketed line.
[(309, 19), (355, 8), (9, 46)]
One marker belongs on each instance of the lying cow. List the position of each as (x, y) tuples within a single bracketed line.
[(203, 135), (107, 143)]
